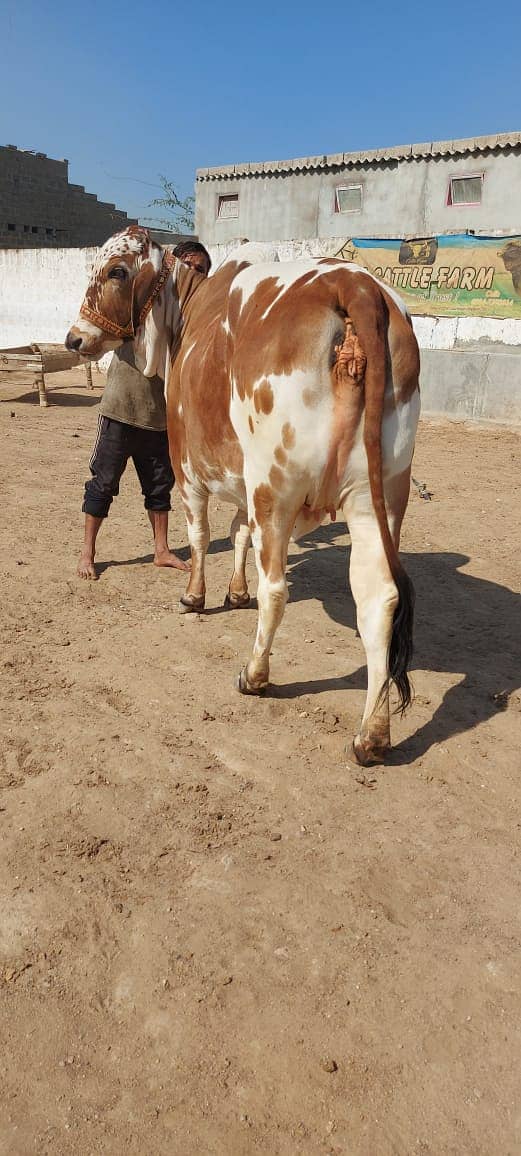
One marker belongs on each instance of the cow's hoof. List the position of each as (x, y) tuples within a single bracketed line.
[(191, 603), (245, 687), (236, 601), (368, 755)]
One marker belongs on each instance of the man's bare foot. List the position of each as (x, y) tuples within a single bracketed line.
[(168, 558), (86, 568)]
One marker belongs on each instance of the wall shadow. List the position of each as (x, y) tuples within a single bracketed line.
[(55, 398)]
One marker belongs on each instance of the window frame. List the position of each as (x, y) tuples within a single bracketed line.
[(346, 188), (451, 204), (227, 198)]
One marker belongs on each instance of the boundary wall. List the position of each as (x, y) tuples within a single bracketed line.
[(470, 367)]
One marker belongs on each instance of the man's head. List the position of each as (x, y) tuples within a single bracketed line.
[(194, 254)]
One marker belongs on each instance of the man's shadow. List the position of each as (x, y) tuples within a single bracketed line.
[(463, 625)]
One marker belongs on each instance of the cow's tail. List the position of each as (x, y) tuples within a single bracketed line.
[(364, 303)]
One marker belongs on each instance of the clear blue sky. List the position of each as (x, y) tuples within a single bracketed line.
[(127, 91)]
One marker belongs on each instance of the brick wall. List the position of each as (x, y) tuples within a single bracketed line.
[(40, 209)]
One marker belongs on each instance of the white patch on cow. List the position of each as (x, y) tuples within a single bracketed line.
[(88, 333), (312, 431), (285, 273), (398, 434), (89, 330), (254, 252), (118, 246), (151, 344)]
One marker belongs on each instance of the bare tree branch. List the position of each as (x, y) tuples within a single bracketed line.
[(181, 210)]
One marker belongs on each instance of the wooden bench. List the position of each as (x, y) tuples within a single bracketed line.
[(41, 358)]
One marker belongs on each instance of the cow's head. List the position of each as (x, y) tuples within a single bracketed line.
[(125, 283)]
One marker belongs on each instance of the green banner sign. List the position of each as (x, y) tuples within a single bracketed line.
[(454, 276)]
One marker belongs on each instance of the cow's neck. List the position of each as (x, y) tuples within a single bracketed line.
[(205, 302), (155, 338), (176, 311)]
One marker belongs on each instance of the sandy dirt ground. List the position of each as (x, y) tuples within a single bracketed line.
[(217, 933)]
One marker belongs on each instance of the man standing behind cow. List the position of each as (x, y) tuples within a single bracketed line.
[(132, 424)]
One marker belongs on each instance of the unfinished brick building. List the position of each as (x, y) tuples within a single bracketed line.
[(40, 209)]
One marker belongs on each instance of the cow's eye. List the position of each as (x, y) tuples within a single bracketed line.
[(117, 273)]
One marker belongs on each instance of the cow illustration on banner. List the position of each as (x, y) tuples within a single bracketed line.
[(459, 275)]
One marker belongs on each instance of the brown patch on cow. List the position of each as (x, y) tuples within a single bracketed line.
[(143, 286), (403, 350), (263, 502), (397, 490), (288, 436), (201, 383), (234, 307), (276, 477), (280, 456), (310, 397), (250, 423), (263, 397), (252, 525)]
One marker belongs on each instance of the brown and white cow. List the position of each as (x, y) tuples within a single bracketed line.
[(293, 391)]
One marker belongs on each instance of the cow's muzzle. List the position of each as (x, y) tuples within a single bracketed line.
[(72, 342)]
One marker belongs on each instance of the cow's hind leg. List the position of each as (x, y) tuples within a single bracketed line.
[(195, 502), (270, 541), (376, 598), (238, 597)]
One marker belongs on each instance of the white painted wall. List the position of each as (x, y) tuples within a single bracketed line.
[(41, 291)]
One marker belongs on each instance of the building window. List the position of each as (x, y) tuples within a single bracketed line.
[(348, 199), (48, 232), (465, 190), (228, 206), (27, 228), (12, 228), (34, 228)]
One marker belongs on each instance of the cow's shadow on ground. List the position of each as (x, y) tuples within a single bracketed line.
[(463, 625)]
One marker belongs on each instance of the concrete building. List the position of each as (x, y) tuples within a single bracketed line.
[(40, 209), (412, 190)]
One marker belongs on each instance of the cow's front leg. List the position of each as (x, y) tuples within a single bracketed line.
[(238, 597), (376, 598), (195, 502)]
